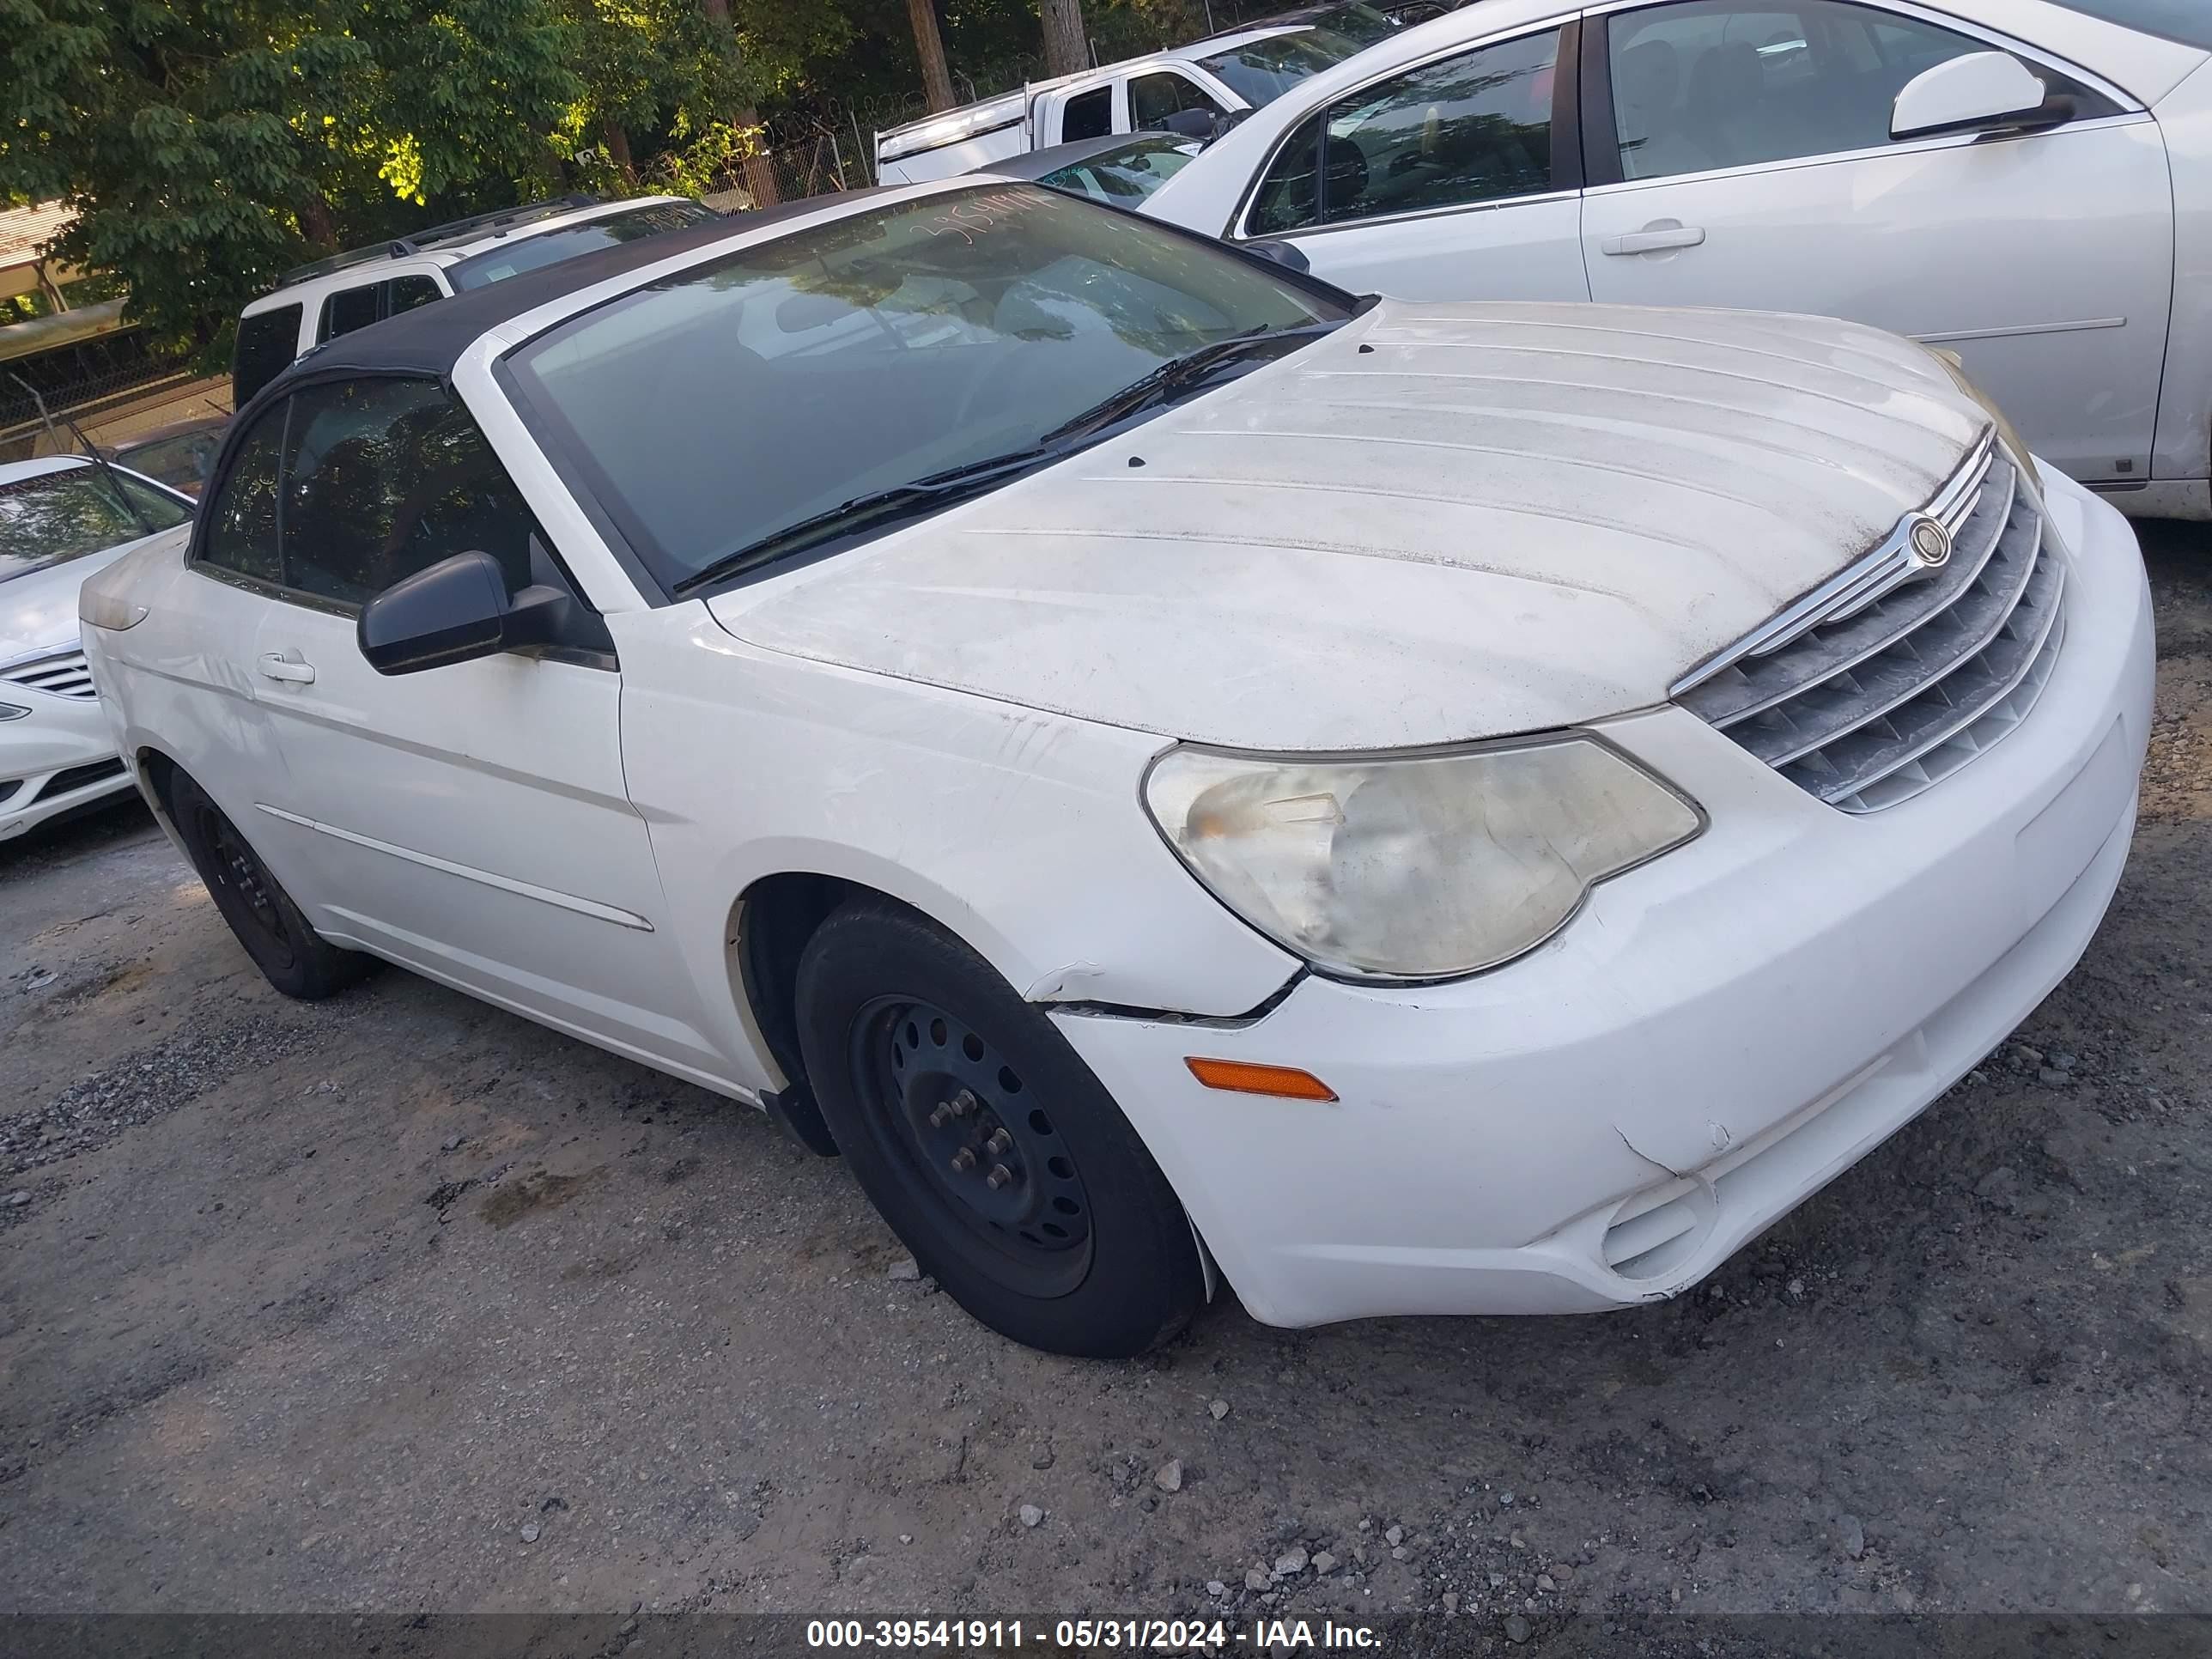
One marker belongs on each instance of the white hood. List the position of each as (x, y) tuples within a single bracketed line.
[(1441, 522)]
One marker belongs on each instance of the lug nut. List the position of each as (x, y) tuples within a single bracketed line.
[(963, 1102), (998, 1143), (936, 1119), (963, 1160), (999, 1175)]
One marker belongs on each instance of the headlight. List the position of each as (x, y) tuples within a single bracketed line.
[(2007, 433), (1414, 866)]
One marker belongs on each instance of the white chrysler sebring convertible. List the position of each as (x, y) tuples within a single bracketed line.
[(1426, 808)]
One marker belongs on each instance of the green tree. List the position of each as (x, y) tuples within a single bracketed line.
[(209, 145), (663, 94), (206, 144)]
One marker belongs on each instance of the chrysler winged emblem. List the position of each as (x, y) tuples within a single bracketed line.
[(1929, 543)]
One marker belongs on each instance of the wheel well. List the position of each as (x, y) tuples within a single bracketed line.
[(160, 770), (769, 927)]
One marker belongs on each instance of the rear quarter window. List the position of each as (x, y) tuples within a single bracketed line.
[(267, 343), (346, 309), (1088, 115)]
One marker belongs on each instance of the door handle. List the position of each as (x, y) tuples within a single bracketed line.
[(1655, 241), (290, 670)]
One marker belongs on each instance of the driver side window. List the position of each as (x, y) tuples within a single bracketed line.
[(383, 478)]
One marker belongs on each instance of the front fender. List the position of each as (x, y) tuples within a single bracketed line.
[(1021, 832)]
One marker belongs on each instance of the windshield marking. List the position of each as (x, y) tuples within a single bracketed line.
[(989, 209)]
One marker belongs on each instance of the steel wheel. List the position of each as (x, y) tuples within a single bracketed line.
[(992, 1151), (234, 867), (951, 1110), (252, 902)]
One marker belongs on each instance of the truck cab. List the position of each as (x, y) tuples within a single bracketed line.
[(1222, 77)]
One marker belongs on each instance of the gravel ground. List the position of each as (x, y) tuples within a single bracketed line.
[(398, 1303)]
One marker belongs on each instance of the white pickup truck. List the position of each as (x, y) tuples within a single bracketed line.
[(1222, 77)]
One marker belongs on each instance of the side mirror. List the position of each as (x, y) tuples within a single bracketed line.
[(1202, 124), (1291, 258), (457, 609), (1983, 91)]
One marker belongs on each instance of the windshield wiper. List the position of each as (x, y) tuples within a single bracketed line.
[(1180, 374), (880, 506)]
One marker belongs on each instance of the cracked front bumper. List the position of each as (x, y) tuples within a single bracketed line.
[(1715, 1037)]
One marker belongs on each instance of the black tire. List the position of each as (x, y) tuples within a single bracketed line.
[(296, 960), (1084, 1249)]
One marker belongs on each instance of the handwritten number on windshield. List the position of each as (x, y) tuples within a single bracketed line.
[(972, 218)]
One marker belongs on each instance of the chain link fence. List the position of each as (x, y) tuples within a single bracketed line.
[(819, 166), (77, 379)]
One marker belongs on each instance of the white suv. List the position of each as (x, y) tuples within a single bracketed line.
[(333, 296)]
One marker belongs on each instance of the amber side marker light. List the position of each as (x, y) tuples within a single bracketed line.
[(1242, 1077)]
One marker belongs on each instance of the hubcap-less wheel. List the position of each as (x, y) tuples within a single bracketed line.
[(237, 870), (995, 1154), (951, 1108), (252, 902)]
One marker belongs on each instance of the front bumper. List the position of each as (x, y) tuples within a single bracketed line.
[(55, 759), (1720, 1034)]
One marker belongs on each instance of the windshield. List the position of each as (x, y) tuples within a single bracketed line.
[(715, 409), (550, 247), (1127, 175), (58, 516), (182, 462), (1261, 71), (2189, 21)]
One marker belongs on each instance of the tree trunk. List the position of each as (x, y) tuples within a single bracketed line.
[(760, 176), (617, 142), (1064, 51), (929, 47), (318, 223)]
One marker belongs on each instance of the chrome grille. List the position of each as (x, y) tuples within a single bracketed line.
[(1888, 679), (65, 673)]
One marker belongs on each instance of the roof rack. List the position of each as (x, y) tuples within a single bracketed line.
[(497, 221), (359, 256)]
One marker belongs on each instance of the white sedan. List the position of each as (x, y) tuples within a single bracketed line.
[(2025, 183), (1158, 763), (61, 519)]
